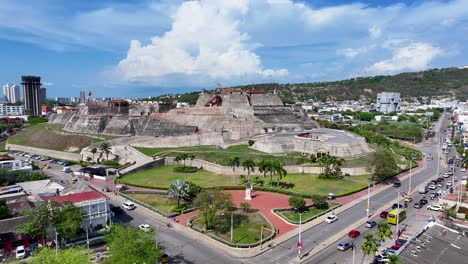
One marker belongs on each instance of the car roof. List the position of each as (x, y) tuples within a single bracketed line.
[(342, 243)]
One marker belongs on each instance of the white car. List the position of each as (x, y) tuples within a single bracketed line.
[(432, 187), (145, 227), (463, 169), (449, 183), (435, 207), (331, 218), (20, 252), (445, 175), (128, 206)]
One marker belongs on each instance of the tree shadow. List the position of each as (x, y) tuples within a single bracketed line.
[(223, 223), (286, 185)]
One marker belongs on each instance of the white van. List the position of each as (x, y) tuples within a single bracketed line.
[(66, 169)]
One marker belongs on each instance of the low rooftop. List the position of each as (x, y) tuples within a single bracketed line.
[(76, 197), (438, 244)]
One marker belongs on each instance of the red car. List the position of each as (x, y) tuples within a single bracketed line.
[(396, 247), (353, 233), (383, 214)]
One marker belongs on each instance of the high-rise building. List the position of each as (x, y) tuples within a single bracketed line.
[(11, 93), (43, 94), (82, 97), (388, 102), (31, 90)]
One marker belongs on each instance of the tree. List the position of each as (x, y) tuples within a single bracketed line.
[(93, 151), (179, 190), (332, 166), (68, 220), (383, 165), (320, 202), (106, 148), (384, 231), (394, 259), (183, 157), (297, 202), (72, 255), (4, 210), (210, 203), (194, 190), (370, 245), (248, 165), (233, 162), (245, 206), (313, 158), (279, 170), (89, 159), (263, 167), (448, 211), (41, 220), (130, 245)]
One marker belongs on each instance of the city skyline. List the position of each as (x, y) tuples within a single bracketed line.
[(143, 48)]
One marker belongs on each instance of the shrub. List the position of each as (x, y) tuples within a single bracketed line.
[(110, 163), (194, 189), (251, 142), (320, 202), (297, 202), (245, 206), (187, 169)]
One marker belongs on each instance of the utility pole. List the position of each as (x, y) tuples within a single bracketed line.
[(300, 231), (398, 214), (368, 200), (410, 174)]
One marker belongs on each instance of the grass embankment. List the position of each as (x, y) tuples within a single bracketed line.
[(246, 227), (294, 216), (162, 177), (159, 201), (46, 136)]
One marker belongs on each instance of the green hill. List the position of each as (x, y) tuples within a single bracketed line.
[(434, 82)]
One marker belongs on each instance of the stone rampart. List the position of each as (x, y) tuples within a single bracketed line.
[(265, 100), (45, 152), (213, 138)]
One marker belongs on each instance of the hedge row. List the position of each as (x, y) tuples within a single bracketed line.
[(279, 211), (228, 243)]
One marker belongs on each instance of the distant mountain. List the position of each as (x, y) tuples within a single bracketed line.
[(434, 82)]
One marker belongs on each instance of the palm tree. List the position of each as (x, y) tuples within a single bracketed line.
[(279, 170), (263, 168), (384, 231), (93, 151), (233, 162), (191, 157), (394, 259), (183, 157), (248, 165), (370, 245), (331, 164), (105, 147), (448, 211), (179, 190)]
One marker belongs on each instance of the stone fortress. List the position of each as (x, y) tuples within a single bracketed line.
[(217, 118), (225, 117)]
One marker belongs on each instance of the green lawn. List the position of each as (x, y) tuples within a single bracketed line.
[(246, 227), (45, 135), (2, 144), (220, 156), (161, 177), (159, 201), (294, 216)]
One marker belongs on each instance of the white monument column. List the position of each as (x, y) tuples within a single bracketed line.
[(247, 193)]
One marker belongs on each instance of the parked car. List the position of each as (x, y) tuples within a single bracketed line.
[(145, 227), (408, 199), (128, 205), (440, 179), (435, 207), (440, 185), (354, 233), (400, 241), (397, 184), (417, 205), (432, 187), (395, 206), (382, 258), (449, 183), (445, 175), (331, 218), (463, 169), (383, 214), (343, 245), (396, 247), (423, 201), (20, 252), (370, 223), (73, 180)]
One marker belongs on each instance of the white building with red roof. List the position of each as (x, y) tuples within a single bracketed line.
[(96, 214)]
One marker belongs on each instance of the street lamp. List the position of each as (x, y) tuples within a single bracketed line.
[(299, 243), (56, 242), (410, 172), (368, 200)]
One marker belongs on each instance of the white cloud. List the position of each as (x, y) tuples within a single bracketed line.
[(413, 56), (375, 32), (48, 84), (351, 53), (204, 41)]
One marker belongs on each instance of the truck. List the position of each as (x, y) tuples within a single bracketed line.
[(423, 189)]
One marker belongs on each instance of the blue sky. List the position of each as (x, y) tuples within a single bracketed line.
[(131, 48)]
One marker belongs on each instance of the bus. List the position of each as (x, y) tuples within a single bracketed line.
[(392, 216)]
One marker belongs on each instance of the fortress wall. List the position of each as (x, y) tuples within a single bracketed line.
[(118, 125), (182, 141), (203, 99), (143, 109), (235, 100), (149, 126), (61, 118), (265, 100), (101, 109), (87, 124)]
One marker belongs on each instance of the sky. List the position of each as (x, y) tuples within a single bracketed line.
[(141, 48)]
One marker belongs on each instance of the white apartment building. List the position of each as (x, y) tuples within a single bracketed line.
[(11, 110), (16, 165), (11, 93), (388, 102)]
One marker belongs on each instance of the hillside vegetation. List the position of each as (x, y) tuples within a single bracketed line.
[(434, 82)]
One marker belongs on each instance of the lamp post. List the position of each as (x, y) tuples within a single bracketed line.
[(368, 200), (56, 242), (299, 243), (398, 214), (410, 174)]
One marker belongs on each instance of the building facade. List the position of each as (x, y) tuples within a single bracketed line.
[(43, 94), (82, 97), (31, 92), (11, 93), (388, 102), (11, 110)]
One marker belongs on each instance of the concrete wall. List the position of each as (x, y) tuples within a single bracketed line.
[(153, 164), (182, 141), (45, 152), (226, 170)]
